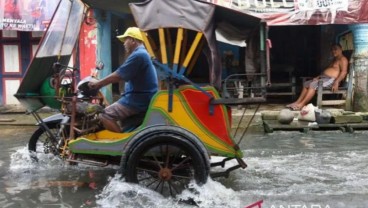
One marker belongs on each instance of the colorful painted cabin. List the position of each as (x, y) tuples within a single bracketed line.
[(190, 111)]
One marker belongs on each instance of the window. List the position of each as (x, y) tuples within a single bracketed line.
[(11, 54), (10, 88), (11, 34)]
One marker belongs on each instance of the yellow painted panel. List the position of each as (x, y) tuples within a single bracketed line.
[(108, 136)]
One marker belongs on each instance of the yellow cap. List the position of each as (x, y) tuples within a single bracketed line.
[(133, 32)]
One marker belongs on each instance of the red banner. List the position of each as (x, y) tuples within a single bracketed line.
[(87, 46), (26, 15), (302, 12)]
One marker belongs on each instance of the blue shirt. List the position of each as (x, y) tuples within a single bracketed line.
[(140, 79)]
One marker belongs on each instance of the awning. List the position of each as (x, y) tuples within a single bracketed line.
[(237, 18), (302, 12), (274, 12), (115, 6)]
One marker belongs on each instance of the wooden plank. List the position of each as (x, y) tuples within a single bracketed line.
[(269, 115), (281, 84), (267, 127), (326, 127), (302, 126), (6, 120), (161, 33), (272, 125), (319, 94), (333, 102), (179, 40), (192, 49), (357, 126), (329, 92), (238, 101), (279, 93), (195, 57), (347, 119), (147, 44)]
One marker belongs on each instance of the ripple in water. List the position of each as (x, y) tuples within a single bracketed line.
[(334, 178)]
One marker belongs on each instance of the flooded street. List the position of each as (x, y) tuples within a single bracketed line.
[(285, 169)]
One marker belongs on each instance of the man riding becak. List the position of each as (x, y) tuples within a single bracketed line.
[(140, 79)]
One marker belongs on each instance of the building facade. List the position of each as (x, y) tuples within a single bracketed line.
[(16, 51)]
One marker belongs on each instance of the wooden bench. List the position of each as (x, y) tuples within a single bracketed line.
[(284, 84), (240, 86)]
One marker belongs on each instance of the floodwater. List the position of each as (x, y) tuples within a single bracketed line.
[(285, 169)]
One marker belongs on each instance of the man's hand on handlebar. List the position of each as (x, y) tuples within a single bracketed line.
[(94, 84)]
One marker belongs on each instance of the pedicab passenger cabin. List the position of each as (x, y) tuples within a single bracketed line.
[(187, 121)]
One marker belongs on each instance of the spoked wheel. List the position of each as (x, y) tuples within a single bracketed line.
[(166, 163), (40, 141)]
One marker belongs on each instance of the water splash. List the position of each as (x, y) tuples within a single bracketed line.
[(119, 193), (212, 194), (22, 160)]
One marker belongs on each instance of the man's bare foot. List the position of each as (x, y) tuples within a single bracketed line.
[(296, 107), (292, 104)]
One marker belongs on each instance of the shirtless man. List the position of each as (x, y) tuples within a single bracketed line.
[(331, 77)]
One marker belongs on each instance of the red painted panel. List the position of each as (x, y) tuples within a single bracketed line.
[(216, 123), (87, 45)]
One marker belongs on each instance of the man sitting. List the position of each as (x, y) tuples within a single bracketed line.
[(331, 77), (140, 79)]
